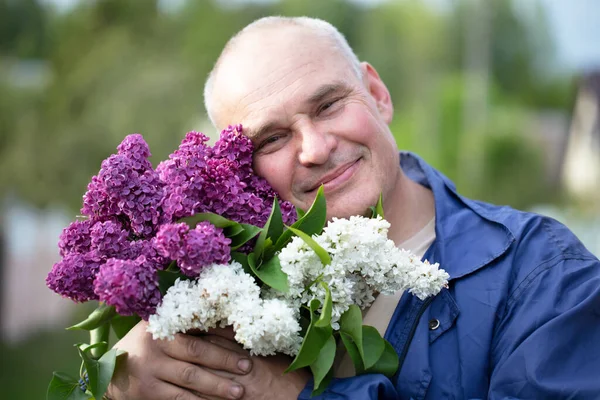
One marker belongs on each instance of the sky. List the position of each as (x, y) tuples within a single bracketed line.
[(575, 26), (576, 29)]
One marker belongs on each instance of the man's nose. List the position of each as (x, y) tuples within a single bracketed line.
[(315, 145)]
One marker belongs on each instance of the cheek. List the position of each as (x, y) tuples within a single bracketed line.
[(275, 171), (358, 124)]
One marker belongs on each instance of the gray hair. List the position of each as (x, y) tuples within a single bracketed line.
[(317, 26)]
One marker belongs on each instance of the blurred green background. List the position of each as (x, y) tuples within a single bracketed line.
[(483, 90)]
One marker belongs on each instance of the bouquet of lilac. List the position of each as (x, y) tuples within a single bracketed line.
[(201, 242)]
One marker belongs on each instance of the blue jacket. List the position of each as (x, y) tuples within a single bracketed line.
[(521, 318)]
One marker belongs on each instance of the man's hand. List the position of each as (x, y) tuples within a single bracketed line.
[(183, 369), (266, 380)]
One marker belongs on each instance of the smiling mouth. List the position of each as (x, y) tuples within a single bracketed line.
[(338, 177)]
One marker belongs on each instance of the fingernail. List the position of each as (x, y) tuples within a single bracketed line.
[(244, 365), (235, 391)]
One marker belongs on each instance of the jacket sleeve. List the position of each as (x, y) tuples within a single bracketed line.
[(547, 342), (364, 387)]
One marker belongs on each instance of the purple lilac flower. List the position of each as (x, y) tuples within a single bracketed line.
[(109, 239), (127, 187), (204, 245), (147, 249), (170, 240), (195, 248), (254, 205), (74, 275), (223, 189), (131, 207), (96, 202), (218, 179), (75, 238), (234, 146), (142, 204), (183, 173), (131, 286), (136, 149)]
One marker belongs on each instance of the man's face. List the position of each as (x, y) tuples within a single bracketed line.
[(311, 119)]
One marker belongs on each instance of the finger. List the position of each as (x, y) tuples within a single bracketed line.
[(226, 332), (200, 351), (197, 379), (226, 343), (165, 390), (152, 389)]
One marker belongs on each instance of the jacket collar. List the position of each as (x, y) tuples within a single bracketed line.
[(468, 235)]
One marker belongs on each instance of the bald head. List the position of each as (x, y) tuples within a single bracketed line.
[(270, 36)]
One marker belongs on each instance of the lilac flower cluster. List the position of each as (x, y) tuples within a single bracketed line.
[(127, 188), (74, 276), (193, 249), (131, 230), (218, 179), (123, 210), (75, 238), (131, 286)]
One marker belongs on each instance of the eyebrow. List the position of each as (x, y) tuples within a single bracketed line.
[(319, 95), (326, 90)]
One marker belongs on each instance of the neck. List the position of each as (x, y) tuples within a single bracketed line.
[(408, 209)]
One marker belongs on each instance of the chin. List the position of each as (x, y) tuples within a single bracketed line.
[(344, 211)]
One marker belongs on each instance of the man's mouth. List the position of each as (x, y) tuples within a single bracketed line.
[(337, 177)]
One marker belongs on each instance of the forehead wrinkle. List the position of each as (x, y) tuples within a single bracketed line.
[(282, 77), (269, 124)]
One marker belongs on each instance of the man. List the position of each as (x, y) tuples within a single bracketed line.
[(521, 318)]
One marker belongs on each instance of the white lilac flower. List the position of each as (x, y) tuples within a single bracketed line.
[(225, 295), (271, 328), (363, 262)]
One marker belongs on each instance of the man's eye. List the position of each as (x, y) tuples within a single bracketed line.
[(326, 106), (268, 141), (271, 139)]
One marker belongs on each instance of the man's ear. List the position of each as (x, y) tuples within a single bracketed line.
[(378, 91)]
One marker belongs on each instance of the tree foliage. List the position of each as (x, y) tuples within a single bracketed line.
[(124, 66)]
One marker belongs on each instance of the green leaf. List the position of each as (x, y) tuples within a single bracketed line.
[(242, 259), (299, 213), (64, 387), (379, 206), (324, 383), (387, 363), (313, 342), (97, 318), (270, 273), (322, 365), (123, 324), (273, 229), (100, 336), (247, 233), (325, 318), (233, 230), (377, 210), (166, 279), (351, 324), (314, 306), (238, 233), (172, 267), (353, 352), (99, 372), (215, 219), (321, 252), (311, 223), (373, 345)]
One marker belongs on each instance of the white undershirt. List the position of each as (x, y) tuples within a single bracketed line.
[(381, 311)]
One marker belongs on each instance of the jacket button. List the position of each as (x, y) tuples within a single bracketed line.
[(434, 324)]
